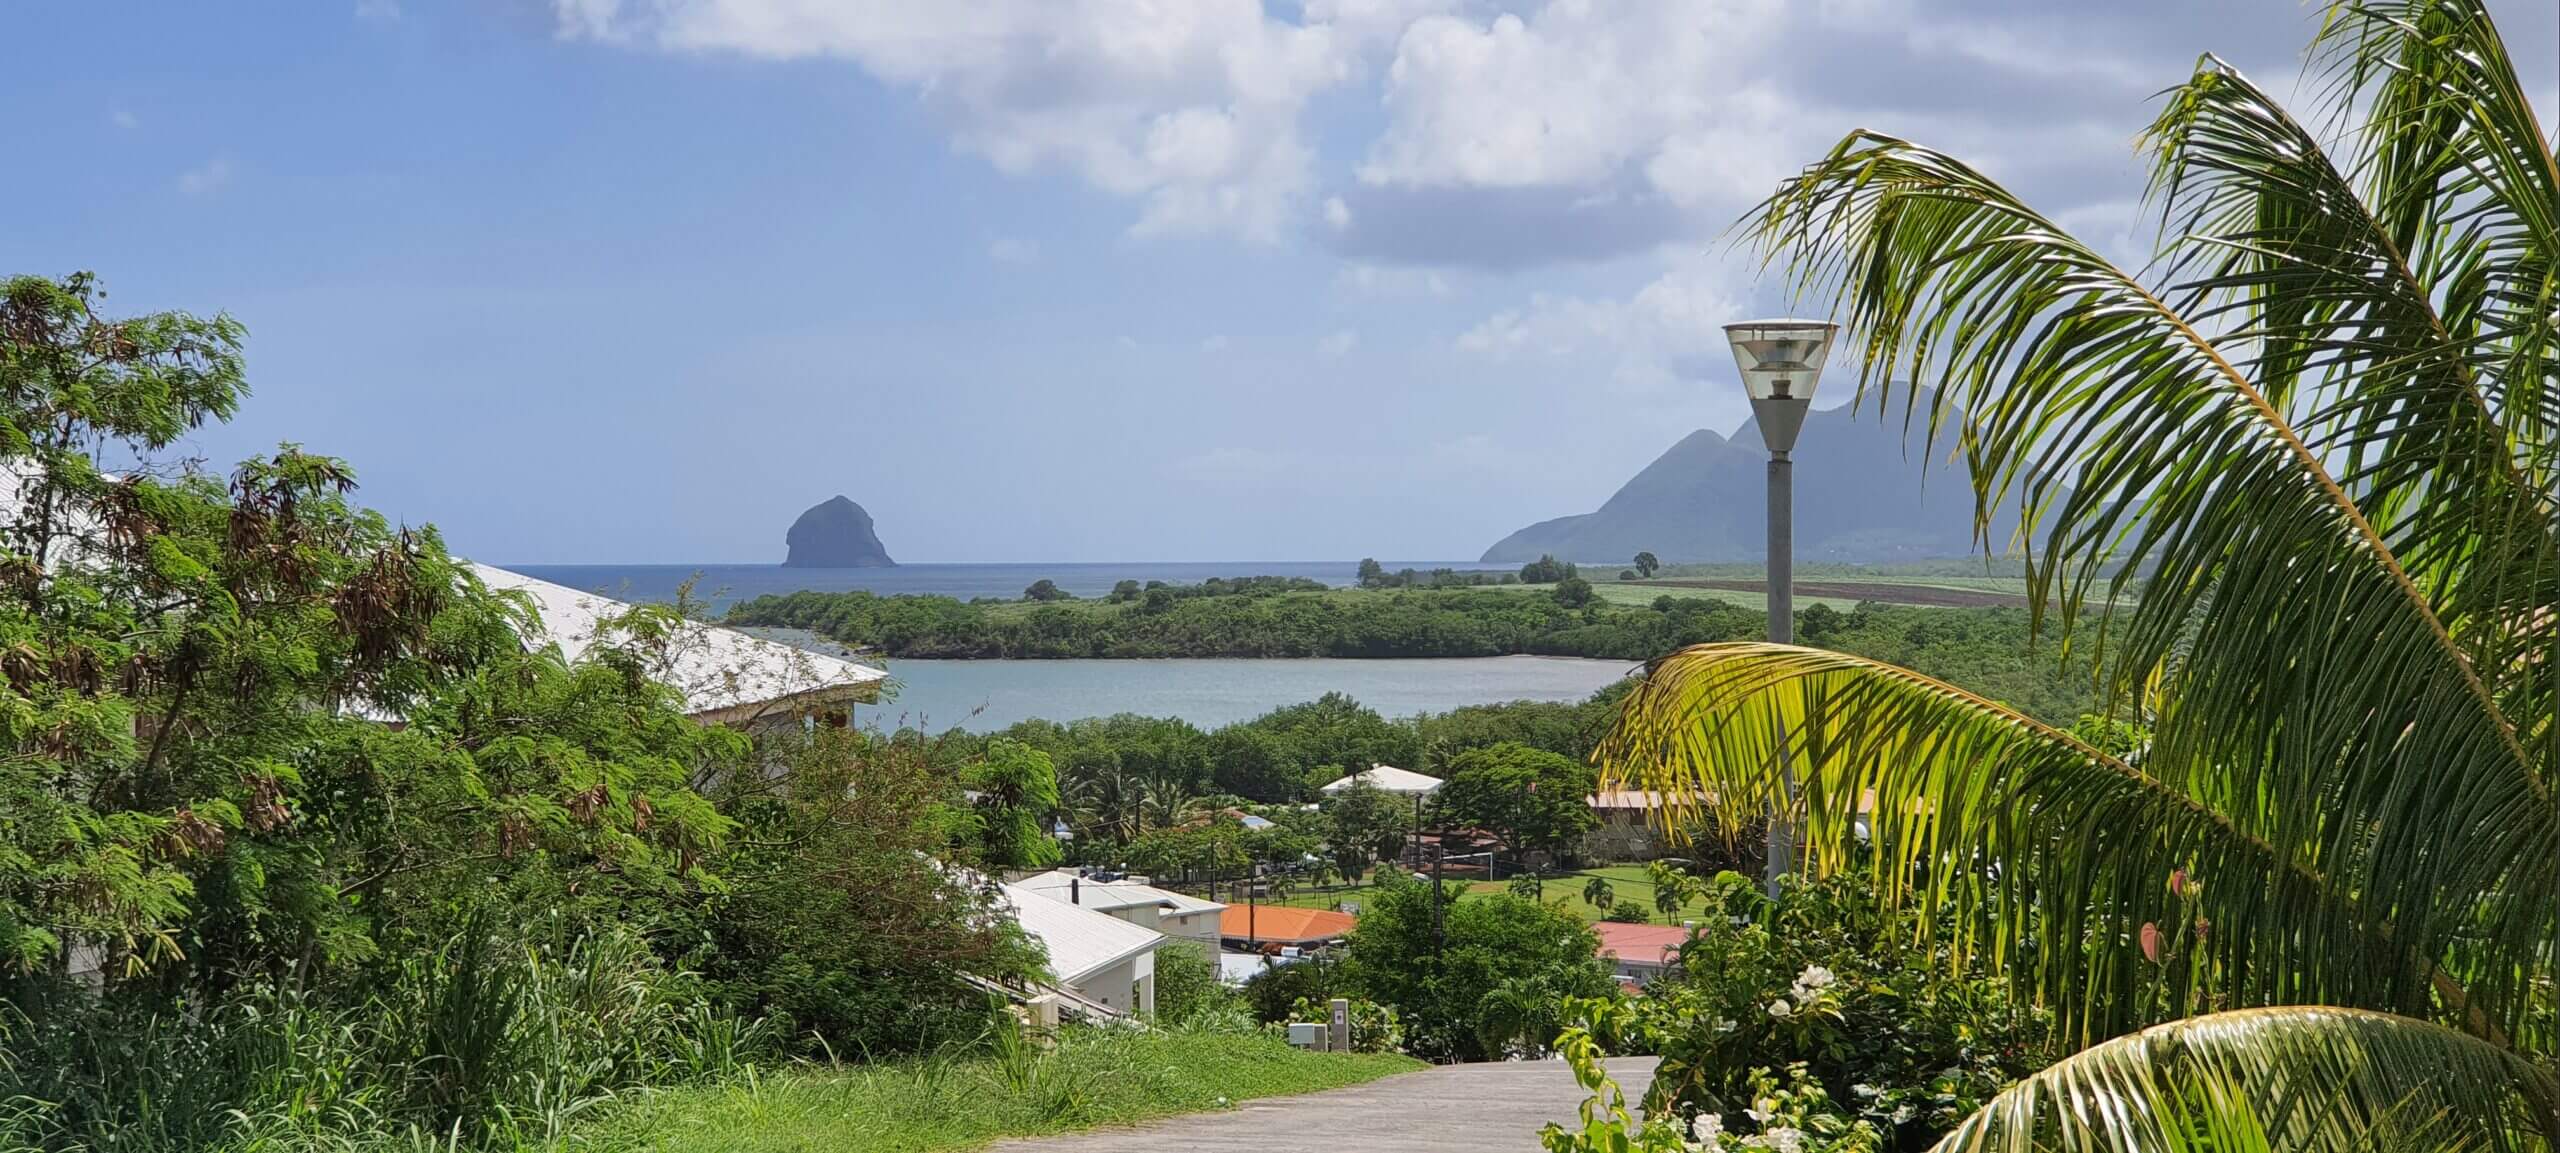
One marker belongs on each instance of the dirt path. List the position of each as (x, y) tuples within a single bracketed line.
[(1453, 1108)]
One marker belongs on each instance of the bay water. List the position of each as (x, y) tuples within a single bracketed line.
[(982, 696)]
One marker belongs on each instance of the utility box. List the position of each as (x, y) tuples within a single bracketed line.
[(1307, 1034), (1339, 1028)]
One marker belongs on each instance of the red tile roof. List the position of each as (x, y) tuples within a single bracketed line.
[(1283, 925), (1642, 944)]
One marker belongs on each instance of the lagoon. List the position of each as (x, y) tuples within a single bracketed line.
[(982, 696)]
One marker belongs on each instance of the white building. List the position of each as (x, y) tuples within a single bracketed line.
[(1176, 915), (727, 677), (1100, 958)]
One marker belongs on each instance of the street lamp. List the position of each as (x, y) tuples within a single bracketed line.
[(1780, 361)]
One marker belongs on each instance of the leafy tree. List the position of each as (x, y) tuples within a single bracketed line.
[(2327, 437), (1545, 570), (1599, 893), (1045, 589), (1372, 574), (1528, 886), (1364, 825), (1627, 912), (1017, 797), (1124, 592), (1534, 799), (1440, 982), (1573, 592), (1647, 564)]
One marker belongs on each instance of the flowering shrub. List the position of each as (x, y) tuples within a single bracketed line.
[(1794, 1117), (1827, 1007)]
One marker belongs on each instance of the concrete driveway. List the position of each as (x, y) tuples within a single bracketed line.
[(1489, 1108)]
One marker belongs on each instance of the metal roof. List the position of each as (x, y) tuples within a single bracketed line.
[(1079, 940), (725, 675)]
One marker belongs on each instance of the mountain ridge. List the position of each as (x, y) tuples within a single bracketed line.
[(1862, 496)]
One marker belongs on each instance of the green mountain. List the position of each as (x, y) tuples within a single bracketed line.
[(1862, 497)]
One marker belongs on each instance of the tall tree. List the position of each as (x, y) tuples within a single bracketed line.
[(2325, 435)]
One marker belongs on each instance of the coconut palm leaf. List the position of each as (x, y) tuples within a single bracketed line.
[(2300, 1080), (1936, 781), (2341, 530)]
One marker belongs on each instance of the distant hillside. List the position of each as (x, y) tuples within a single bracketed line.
[(1861, 497)]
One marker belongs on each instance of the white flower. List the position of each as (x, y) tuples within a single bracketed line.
[(1780, 1008), (1707, 1128), (1724, 1024), (1813, 980), (1786, 1140), (1865, 1090), (1761, 1110), (1904, 1113)]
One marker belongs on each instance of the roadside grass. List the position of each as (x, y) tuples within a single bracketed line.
[(1092, 1078)]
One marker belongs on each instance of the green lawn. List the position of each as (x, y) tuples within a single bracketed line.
[(1093, 1078), (1627, 881)]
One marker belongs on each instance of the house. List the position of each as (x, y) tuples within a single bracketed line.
[(1261, 928), (1098, 957), (1179, 916), (1389, 779), (727, 677), (1631, 824), (1640, 953)]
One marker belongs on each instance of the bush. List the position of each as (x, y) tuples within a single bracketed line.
[(1628, 912), (1187, 984), (1890, 1033), (1487, 982), (1374, 1027)]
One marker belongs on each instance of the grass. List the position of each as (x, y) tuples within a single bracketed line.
[(1626, 881), (1093, 1077)]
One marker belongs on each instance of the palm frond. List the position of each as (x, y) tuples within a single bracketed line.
[(1941, 784), (2281, 253), (2313, 698), (2294, 1080)]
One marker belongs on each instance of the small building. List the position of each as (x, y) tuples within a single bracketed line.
[(1098, 957), (1630, 825), (1271, 928), (1179, 916), (1640, 953), (1388, 779), (727, 677)]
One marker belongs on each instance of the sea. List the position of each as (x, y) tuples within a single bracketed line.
[(983, 696)]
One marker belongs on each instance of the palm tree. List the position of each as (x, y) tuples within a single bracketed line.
[(1599, 894), (2320, 437), (1672, 889)]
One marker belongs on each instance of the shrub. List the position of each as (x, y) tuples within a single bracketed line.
[(1187, 984), (1628, 912)]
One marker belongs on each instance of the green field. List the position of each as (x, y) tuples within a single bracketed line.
[(1563, 891), (1092, 1078)]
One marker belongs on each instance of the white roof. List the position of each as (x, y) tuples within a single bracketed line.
[(1238, 968), (1388, 778), (1058, 884), (1079, 940), (724, 674)]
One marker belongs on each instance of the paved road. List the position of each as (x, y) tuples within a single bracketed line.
[(1471, 1108)]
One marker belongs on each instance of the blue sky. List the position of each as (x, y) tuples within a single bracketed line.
[(1064, 280)]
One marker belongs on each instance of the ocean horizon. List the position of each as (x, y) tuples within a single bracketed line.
[(717, 586)]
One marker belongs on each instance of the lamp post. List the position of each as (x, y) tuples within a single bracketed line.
[(1780, 360)]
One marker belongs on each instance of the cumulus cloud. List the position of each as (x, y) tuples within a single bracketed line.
[(1193, 109), (1665, 333)]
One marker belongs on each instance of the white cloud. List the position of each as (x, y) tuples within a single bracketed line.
[(378, 11), (209, 176), (1012, 250), (1669, 331), (1337, 215), (1391, 280), (1574, 94), (1192, 108), (1338, 343)]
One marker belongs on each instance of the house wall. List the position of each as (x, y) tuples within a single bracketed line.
[(1128, 984)]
